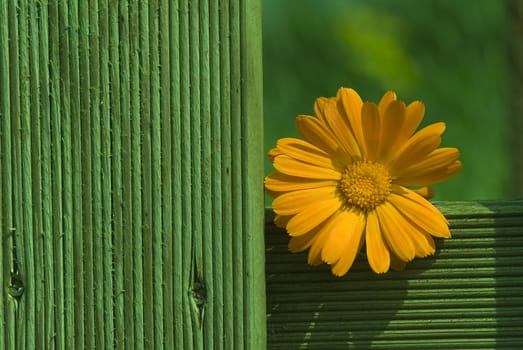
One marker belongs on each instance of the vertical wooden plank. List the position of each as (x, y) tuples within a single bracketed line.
[(237, 98), (135, 113), (216, 189), (87, 180), (6, 323), (156, 243), (177, 79), (252, 142), (35, 162), (75, 142), (186, 252), (106, 175), (236, 174), (206, 200), (46, 187), (226, 177), (117, 177), (167, 173), (33, 17), (24, 208), (4, 96), (147, 181), (86, 170), (122, 180), (11, 156), (197, 281), (55, 150), (127, 176), (96, 173), (18, 325)]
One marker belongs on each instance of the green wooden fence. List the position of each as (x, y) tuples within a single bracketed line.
[(132, 201), (131, 186)]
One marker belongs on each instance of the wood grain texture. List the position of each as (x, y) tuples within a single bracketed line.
[(130, 175), (469, 295)]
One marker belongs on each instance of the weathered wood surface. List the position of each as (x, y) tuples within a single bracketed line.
[(469, 295), (130, 175)]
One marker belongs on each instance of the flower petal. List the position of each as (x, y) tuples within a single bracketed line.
[(273, 153), (314, 257), (319, 107), (414, 115), (300, 243), (305, 152), (352, 246), (293, 167), (349, 105), (438, 166), (431, 178), (422, 241), (312, 216), (392, 126), (345, 232), (278, 182), (426, 192), (439, 159), (281, 220), (342, 266), (387, 98), (316, 132), (293, 202), (417, 147), (370, 123), (419, 211), (378, 253), (394, 233), (341, 130), (396, 263)]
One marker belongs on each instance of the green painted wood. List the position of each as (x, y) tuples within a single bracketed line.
[(46, 184), (36, 155), (25, 241), (130, 175), (468, 296), (4, 98), (167, 223), (67, 83), (136, 174), (226, 179), (177, 180), (53, 127), (182, 244), (7, 326), (127, 293), (254, 297)]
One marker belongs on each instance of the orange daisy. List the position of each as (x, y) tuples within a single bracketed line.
[(348, 182)]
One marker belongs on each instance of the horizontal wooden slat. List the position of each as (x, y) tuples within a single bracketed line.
[(468, 296)]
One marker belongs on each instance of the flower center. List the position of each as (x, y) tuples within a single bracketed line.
[(365, 184)]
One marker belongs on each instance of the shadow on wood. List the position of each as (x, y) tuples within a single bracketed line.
[(468, 295)]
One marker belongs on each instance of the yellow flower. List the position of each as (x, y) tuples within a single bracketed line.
[(348, 182)]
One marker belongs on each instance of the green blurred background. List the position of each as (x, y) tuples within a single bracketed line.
[(452, 55)]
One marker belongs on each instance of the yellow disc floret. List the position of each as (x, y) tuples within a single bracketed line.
[(365, 184)]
